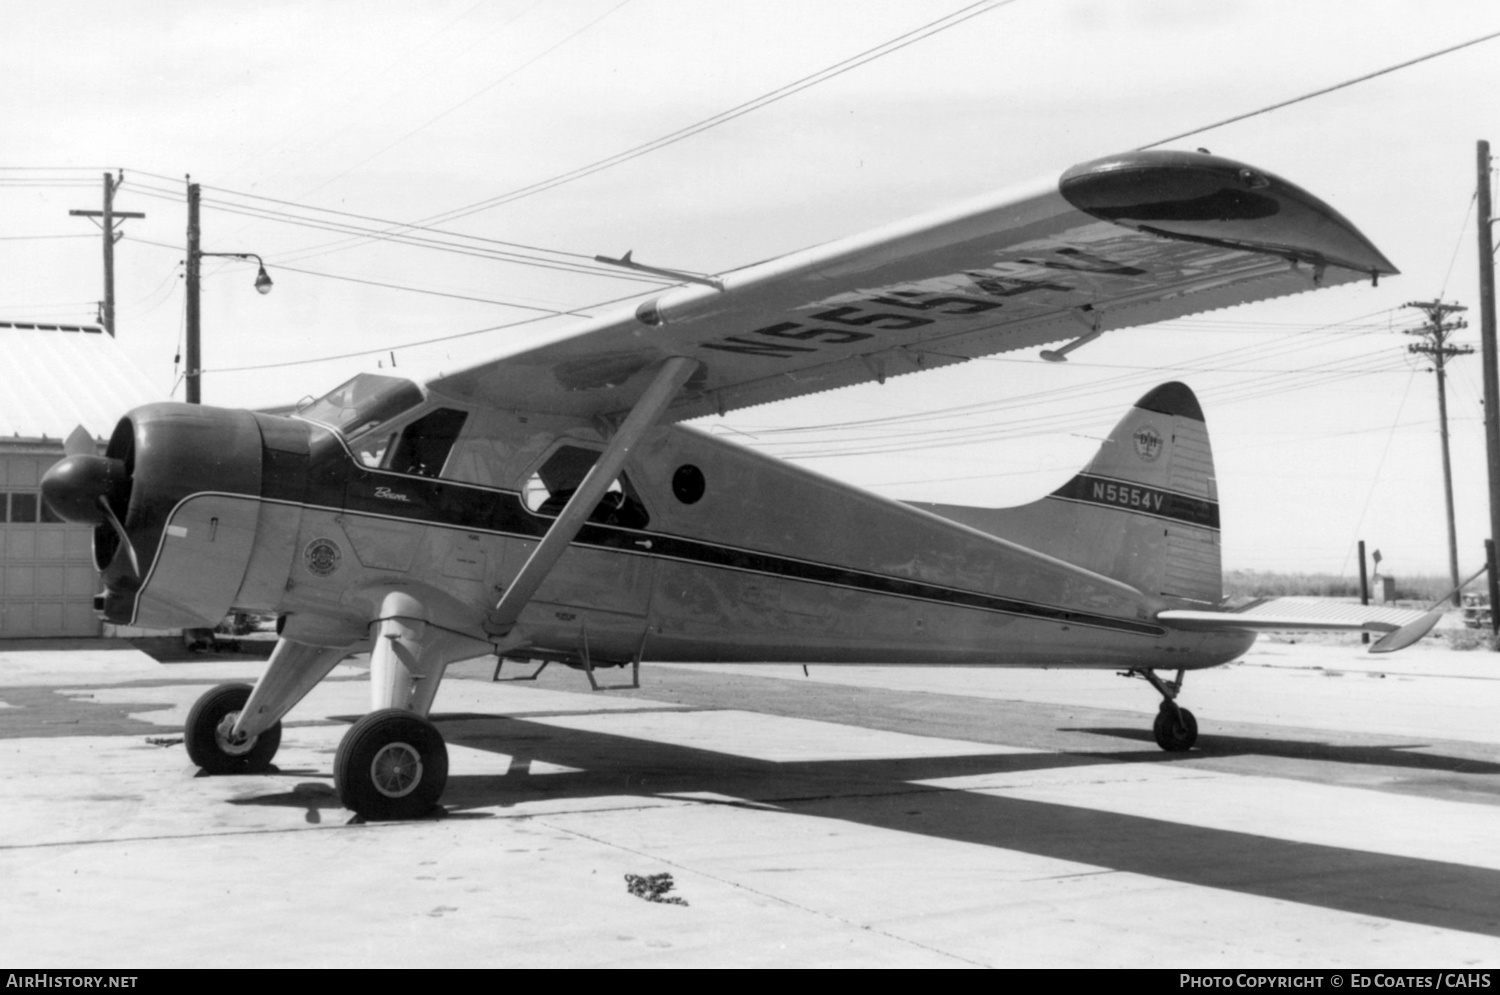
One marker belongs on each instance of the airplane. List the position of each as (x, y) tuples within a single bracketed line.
[(548, 505)]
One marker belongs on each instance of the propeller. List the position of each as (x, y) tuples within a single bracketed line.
[(115, 523), (86, 488)]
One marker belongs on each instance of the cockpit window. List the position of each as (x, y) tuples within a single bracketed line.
[(371, 450), (425, 444), (362, 403)]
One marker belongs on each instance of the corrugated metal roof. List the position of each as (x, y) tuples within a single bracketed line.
[(54, 381)]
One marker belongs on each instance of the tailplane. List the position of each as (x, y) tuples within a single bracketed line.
[(1145, 510)]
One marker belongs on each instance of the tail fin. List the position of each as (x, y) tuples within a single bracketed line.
[(1145, 510)]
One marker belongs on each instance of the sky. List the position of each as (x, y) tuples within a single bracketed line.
[(846, 115)]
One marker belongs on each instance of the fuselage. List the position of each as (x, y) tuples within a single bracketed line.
[(705, 551)]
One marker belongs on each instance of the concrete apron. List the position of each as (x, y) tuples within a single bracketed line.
[(794, 841)]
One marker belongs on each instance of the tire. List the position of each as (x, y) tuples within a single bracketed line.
[(206, 734), (1175, 728), (391, 764)]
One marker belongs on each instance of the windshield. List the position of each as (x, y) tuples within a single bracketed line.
[(363, 402)]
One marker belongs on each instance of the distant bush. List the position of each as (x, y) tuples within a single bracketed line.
[(1270, 584), (1470, 639)]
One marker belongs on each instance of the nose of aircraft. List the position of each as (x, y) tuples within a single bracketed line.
[(159, 456), (86, 489)]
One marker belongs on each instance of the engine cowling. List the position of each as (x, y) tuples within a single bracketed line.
[(174, 502)]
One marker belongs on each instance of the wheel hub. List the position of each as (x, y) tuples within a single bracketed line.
[(396, 770), (234, 746)]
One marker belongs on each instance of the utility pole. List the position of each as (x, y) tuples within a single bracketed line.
[(191, 386), (193, 375), (106, 221), (1435, 344), (1491, 374)]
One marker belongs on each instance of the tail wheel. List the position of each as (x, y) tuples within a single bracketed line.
[(1175, 728), (208, 740), (391, 764)]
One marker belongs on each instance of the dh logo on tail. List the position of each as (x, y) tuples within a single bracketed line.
[(1147, 443)]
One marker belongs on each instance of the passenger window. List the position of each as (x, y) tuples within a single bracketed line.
[(548, 490), (425, 444)]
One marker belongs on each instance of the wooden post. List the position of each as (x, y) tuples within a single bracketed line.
[(1491, 370), (1364, 586)]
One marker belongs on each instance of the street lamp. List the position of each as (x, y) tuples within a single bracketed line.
[(262, 279), (192, 377)]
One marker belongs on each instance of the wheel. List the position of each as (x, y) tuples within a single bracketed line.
[(1175, 728), (391, 764), (206, 734)]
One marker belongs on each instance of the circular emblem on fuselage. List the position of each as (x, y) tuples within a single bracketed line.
[(1147, 443), (322, 557)]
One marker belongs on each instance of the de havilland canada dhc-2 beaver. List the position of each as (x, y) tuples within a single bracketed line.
[(545, 505)]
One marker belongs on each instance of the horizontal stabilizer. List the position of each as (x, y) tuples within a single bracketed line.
[(1402, 626)]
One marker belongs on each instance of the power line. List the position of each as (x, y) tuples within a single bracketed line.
[(555, 312), (1375, 478), (869, 55), (474, 96), (417, 241), (405, 59), (406, 345), (1458, 243), (1325, 90), (434, 293), (837, 69)]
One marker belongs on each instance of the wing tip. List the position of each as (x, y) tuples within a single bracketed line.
[(1407, 634), (1204, 197)]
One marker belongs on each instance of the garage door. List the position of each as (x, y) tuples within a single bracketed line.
[(47, 577)]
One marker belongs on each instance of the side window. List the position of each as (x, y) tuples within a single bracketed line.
[(425, 444), (371, 450), (548, 490)]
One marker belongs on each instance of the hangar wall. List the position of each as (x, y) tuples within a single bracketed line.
[(58, 379), (47, 576)]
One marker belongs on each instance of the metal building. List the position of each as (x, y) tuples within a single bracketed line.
[(55, 381)]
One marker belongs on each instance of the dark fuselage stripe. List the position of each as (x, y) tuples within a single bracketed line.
[(475, 508)]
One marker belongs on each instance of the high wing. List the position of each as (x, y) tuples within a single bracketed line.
[(1114, 243)]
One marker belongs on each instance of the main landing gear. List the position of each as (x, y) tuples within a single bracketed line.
[(391, 764), (1175, 728)]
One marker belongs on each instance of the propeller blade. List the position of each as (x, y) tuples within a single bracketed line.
[(80, 443), (109, 516)]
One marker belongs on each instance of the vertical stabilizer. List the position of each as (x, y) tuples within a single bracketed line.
[(1144, 511)]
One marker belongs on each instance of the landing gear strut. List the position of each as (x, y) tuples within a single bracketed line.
[(1175, 728)]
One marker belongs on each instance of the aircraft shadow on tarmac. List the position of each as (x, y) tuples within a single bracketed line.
[(881, 793), (1399, 755)]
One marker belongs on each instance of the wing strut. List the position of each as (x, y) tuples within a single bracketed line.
[(670, 377)]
